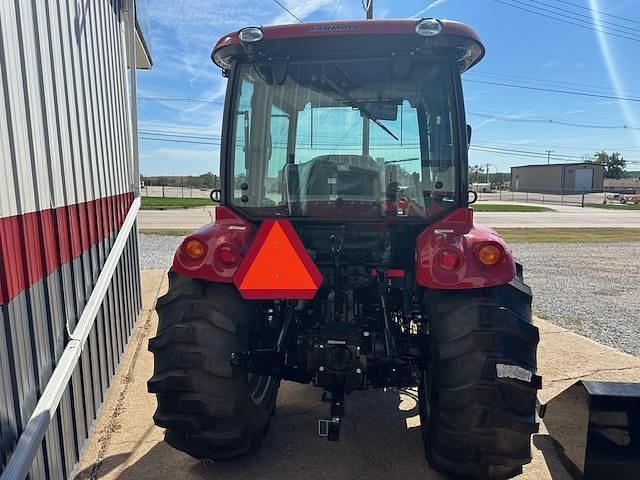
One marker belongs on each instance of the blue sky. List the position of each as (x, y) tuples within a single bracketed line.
[(180, 99)]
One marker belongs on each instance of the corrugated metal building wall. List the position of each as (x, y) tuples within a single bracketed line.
[(66, 183), (562, 178)]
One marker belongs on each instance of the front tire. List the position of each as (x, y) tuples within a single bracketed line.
[(209, 409), (477, 396)]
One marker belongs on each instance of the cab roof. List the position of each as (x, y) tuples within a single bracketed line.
[(453, 34)]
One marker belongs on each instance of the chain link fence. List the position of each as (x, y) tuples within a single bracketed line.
[(174, 192), (551, 197)]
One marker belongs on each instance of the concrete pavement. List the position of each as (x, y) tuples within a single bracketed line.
[(381, 435), (178, 219), (560, 217)]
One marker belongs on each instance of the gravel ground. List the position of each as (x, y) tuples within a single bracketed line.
[(592, 289), (156, 251)]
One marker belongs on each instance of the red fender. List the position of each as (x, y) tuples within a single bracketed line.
[(231, 233), (457, 234)]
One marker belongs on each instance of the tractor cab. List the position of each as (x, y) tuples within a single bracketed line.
[(349, 121)]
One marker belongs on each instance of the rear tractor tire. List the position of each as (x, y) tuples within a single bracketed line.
[(477, 396), (210, 410)]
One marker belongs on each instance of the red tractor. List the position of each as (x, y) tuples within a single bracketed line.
[(344, 252)]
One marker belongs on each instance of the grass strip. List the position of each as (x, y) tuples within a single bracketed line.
[(617, 206), (165, 203), (569, 235), (499, 207)]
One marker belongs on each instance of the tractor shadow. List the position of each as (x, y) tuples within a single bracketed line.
[(546, 445), (380, 439)]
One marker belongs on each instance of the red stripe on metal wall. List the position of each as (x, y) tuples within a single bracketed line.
[(62, 224), (36, 244)]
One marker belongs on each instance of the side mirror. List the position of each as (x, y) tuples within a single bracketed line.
[(215, 195), (468, 136), (473, 196)]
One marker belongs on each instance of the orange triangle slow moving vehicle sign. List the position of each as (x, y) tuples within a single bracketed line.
[(277, 266)]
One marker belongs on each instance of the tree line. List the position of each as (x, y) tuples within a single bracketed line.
[(614, 164), (207, 180)]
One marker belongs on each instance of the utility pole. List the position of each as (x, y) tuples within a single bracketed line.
[(369, 9), (549, 156)]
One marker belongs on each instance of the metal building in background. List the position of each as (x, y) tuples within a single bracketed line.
[(68, 242), (564, 178)]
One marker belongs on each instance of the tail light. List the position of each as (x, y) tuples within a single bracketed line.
[(194, 249), (449, 260), (227, 255), (489, 254)]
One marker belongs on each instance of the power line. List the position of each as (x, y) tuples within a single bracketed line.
[(559, 147), (543, 157), (178, 135), (553, 90), (336, 9), (630, 20), (591, 19), (487, 82), (178, 127), (169, 130), (497, 116), (526, 153), (517, 153), (288, 11), (587, 27), (576, 16), (179, 141), (512, 77), (180, 99)]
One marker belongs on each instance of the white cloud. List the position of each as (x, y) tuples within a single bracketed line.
[(303, 10), (573, 112), (434, 4), (208, 132), (521, 141), (484, 123), (382, 13), (189, 16)]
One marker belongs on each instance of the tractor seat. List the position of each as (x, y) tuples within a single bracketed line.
[(351, 177)]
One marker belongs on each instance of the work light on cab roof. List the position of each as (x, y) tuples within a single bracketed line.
[(429, 27), (250, 34)]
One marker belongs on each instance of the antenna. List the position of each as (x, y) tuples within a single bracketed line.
[(367, 5)]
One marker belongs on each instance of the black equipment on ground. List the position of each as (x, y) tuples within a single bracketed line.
[(596, 429)]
